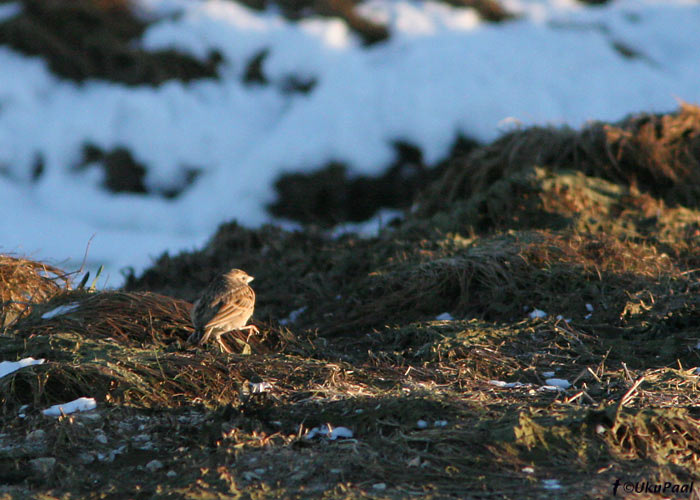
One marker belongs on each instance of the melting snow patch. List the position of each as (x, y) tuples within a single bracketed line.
[(80, 404), (9, 10), (7, 367), (370, 228), (340, 432), (60, 310), (259, 387), (558, 382), (589, 308), (551, 484), (444, 317), (293, 316), (422, 424), (109, 457), (547, 374), (328, 432), (500, 383), (550, 388), (538, 313), (440, 423)]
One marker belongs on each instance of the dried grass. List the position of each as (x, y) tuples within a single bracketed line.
[(25, 283), (659, 154)]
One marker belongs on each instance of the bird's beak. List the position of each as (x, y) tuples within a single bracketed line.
[(250, 278)]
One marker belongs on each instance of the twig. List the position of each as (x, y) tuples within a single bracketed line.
[(594, 375), (631, 392), (627, 372)]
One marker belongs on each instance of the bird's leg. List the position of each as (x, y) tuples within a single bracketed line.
[(222, 346), (204, 337)]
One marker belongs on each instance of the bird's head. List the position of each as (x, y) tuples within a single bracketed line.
[(238, 276)]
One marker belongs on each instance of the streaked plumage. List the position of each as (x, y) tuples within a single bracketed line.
[(225, 305)]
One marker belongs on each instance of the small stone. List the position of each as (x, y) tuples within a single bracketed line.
[(154, 465), (36, 435), (43, 465)]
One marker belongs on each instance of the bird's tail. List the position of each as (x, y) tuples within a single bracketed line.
[(197, 337)]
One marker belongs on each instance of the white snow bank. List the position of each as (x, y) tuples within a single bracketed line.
[(442, 72)]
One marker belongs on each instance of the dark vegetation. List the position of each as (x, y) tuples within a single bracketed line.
[(82, 39), (331, 195), (98, 39), (599, 226), (122, 173), (368, 30)]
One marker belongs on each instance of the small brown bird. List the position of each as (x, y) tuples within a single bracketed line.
[(226, 304)]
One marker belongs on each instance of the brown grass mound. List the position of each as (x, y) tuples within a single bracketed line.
[(658, 154), (24, 284), (119, 347), (134, 319), (496, 278)]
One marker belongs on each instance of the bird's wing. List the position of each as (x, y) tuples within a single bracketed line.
[(237, 305)]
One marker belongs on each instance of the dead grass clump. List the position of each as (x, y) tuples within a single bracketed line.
[(500, 277), (664, 436), (24, 284), (658, 154), (84, 39), (410, 289), (597, 254), (133, 319), (79, 366)]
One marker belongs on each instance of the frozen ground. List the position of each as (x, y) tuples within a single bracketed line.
[(442, 72)]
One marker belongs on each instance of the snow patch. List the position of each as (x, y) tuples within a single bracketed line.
[(60, 310), (80, 404), (7, 367)]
